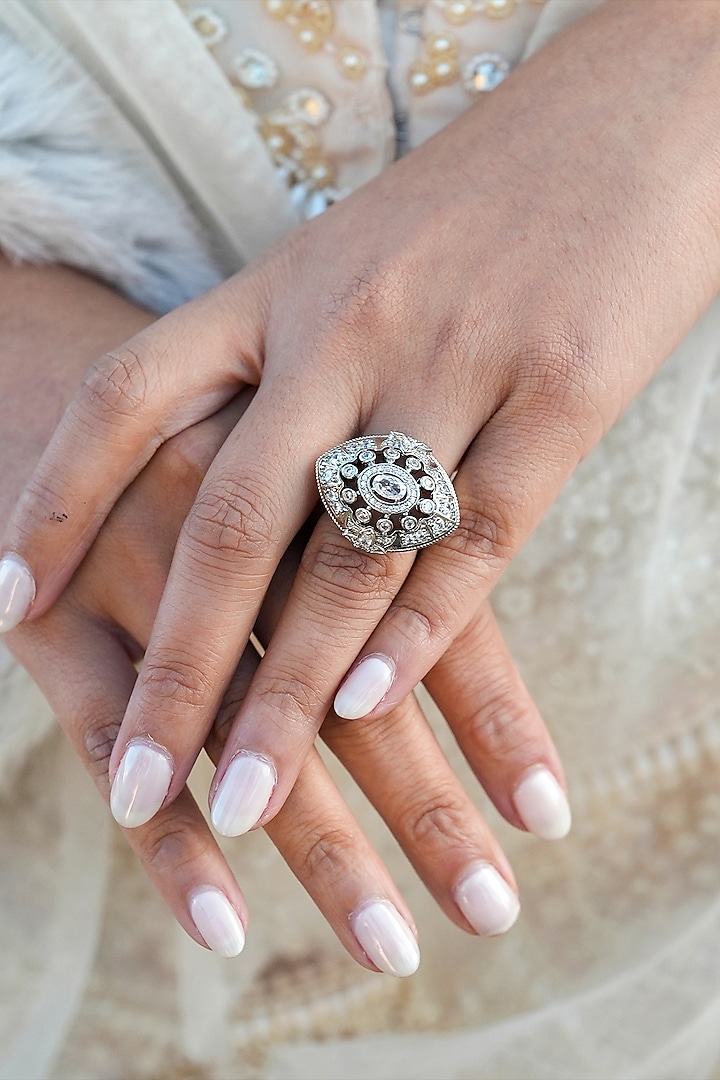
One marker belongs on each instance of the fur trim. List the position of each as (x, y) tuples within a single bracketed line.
[(67, 196)]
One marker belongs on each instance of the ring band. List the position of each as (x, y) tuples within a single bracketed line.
[(387, 493)]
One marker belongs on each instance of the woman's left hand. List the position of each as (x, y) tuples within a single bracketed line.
[(500, 294)]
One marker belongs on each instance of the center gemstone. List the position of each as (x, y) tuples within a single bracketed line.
[(389, 487)]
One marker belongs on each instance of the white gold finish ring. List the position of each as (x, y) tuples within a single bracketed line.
[(387, 493)]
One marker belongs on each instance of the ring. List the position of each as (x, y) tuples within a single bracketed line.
[(387, 493)]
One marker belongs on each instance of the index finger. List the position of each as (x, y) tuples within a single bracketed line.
[(168, 377)]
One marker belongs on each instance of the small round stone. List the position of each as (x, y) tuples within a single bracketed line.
[(278, 139), (351, 61), (384, 525), (409, 524), (316, 13), (425, 506), (366, 456), (363, 516), (255, 69), (426, 482), (208, 24), (348, 495), (320, 173), (388, 487), (414, 464), (349, 471), (391, 454), (440, 44), (445, 70), (277, 9), (484, 72), (309, 105), (310, 37), (498, 9), (420, 78), (458, 11)]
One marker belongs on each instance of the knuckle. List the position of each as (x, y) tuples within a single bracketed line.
[(433, 824), (370, 297), (166, 848), (342, 572), (290, 703), (488, 532), (421, 627), (232, 517), (174, 679), (327, 856), (502, 725), (98, 740), (116, 385)]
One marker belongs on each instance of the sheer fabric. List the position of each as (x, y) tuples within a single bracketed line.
[(612, 612)]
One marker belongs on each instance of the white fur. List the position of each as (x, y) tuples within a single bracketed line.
[(66, 196)]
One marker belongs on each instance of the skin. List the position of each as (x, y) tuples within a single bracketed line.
[(82, 652), (529, 292)]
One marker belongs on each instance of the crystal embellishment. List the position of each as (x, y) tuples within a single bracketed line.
[(256, 70), (484, 72), (383, 482)]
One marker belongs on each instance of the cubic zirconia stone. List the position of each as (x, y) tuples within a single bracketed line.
[(384, 525), (414, 464), (426, 482), (409, 524), (425, 506), (390, 488), (363, 515), (484, 72), (349, 496), (349, 471), (391, 454), (366, 456)]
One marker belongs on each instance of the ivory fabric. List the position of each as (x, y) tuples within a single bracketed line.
[(612, 612)]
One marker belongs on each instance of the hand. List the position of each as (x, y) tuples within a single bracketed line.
[(82, 655), (505, 315)]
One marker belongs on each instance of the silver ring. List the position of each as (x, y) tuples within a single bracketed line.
[(387, 493)]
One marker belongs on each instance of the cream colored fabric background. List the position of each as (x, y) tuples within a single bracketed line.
[(613, 613)]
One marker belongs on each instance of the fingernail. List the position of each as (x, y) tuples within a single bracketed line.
[(217, 921), (542, 804), (140, 785), (486, 900), (17, 591), (364, 688), (386, 938), (243, 794)]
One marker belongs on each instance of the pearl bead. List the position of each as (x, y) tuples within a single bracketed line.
[(445, 71), (316, 13), (420, 78), (309, 37), (498, 9), (440, 45), (320, 173), (277, 9), (352, 62), (458, 11), (277, 138)]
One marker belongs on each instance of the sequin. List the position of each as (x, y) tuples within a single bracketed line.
[(255, 69)]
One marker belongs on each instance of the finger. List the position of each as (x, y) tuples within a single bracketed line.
[(510, 476), (326, 849), (254, 498), (499, 729), (174, 373), (398, 764), (87, 676)]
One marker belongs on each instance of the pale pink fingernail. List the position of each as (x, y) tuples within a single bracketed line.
[(386, 938), (141, 784), (217, 921), (542, 805), (364, 688), (243, 794), (17, 591), (486, 900)]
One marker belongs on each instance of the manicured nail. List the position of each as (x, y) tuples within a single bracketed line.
[(217, 921), (542, 804), (364, 688), (17, 591), (243, 794), (141, 784), (486, 900), (386, 938)]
